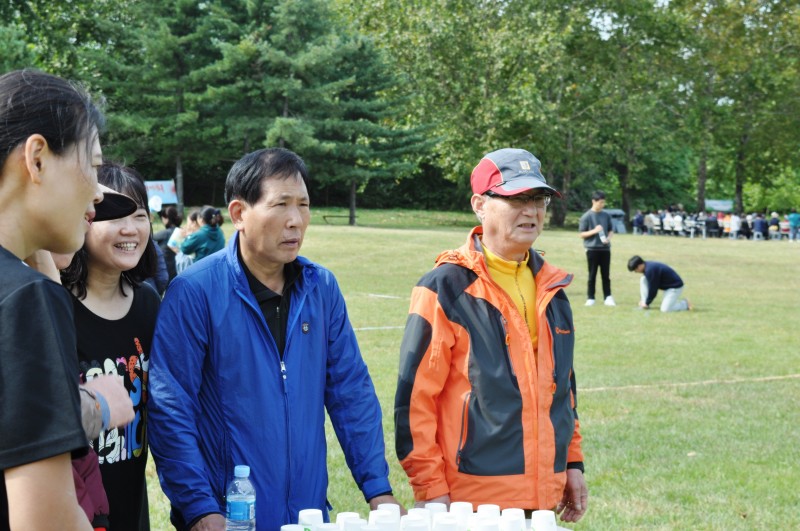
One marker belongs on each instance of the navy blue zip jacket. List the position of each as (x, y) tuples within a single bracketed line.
[(221, 397)]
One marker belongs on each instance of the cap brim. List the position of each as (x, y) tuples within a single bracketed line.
[(523, 184), (114, 205)]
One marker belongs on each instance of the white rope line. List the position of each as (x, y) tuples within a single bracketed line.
[(687, 384), (379, 328), (379, 296)]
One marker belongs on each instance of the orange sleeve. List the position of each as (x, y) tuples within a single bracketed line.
[(424, 367), (574, 452)]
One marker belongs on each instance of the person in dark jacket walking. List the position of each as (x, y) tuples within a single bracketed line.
[(656, 276)]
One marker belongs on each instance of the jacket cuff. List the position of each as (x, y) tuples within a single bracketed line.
[(375, 487), (434, 491), (200, 510), (575, 465)]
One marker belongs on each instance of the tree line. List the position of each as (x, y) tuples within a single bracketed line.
[(392, 103)]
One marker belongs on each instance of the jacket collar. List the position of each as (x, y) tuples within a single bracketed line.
[(307, 279), (470, 255)]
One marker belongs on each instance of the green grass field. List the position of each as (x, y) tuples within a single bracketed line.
[(690, 420)]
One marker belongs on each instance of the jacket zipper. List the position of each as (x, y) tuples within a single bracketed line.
[(462, 439), (507, 344), (288, 435)]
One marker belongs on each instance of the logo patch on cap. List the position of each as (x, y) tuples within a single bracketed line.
[(306, 328), (524, 165)]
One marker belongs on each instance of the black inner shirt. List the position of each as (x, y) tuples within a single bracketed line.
[(274, 306)]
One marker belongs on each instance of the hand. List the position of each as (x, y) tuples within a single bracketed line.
[(386, 498), (643, 305), (576, 496), (445, 499), (598, 229), (117, 397), (211, 522)]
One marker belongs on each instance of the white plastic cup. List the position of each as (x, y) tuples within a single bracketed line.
[(310, 519), (513, 511), (436, 507), (489, 510), (354, 524), (485, 523), (512, 520), (463, 513), (342, 517), (543, 521), (291, 527), (373, 514), (414, 522), (327, 526), (392, 508), (422, 512), (444, 522), (386, 521)]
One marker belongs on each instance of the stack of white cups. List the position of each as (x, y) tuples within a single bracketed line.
[(433, 517)]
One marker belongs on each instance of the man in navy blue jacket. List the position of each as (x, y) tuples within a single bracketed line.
[(252, 345), (656, 276)]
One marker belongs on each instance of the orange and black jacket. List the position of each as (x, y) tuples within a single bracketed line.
[(477, 415)]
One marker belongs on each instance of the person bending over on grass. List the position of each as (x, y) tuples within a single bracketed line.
[(485, 408), (252, 346), (656, 276)]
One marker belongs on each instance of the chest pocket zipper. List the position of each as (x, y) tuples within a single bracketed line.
[(462, 439)]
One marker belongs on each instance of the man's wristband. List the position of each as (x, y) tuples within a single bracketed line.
[(575, 465)]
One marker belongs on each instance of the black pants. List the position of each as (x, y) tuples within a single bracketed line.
[(601, 259)]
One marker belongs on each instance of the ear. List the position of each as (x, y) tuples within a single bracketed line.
[(36, 153), (478, 203), (236, 211)]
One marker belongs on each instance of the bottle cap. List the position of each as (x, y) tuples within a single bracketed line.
[(241, 471)]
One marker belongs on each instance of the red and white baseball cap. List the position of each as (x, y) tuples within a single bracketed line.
[(509, 171)]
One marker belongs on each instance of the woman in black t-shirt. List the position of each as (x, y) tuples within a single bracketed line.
[(49, 149), (115, 316)]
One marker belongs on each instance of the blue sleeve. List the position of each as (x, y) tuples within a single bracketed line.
[(351, 401), (179, 350)]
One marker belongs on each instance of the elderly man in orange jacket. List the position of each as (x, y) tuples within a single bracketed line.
[(485, 409)]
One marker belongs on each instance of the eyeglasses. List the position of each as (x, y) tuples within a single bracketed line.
[(521, 200)]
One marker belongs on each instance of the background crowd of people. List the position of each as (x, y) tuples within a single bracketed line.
[(675, 221)]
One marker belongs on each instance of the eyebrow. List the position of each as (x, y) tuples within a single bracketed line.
[(286, 195)]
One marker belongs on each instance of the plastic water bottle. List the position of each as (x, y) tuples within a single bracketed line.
[(603, 237), (241, 498)]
